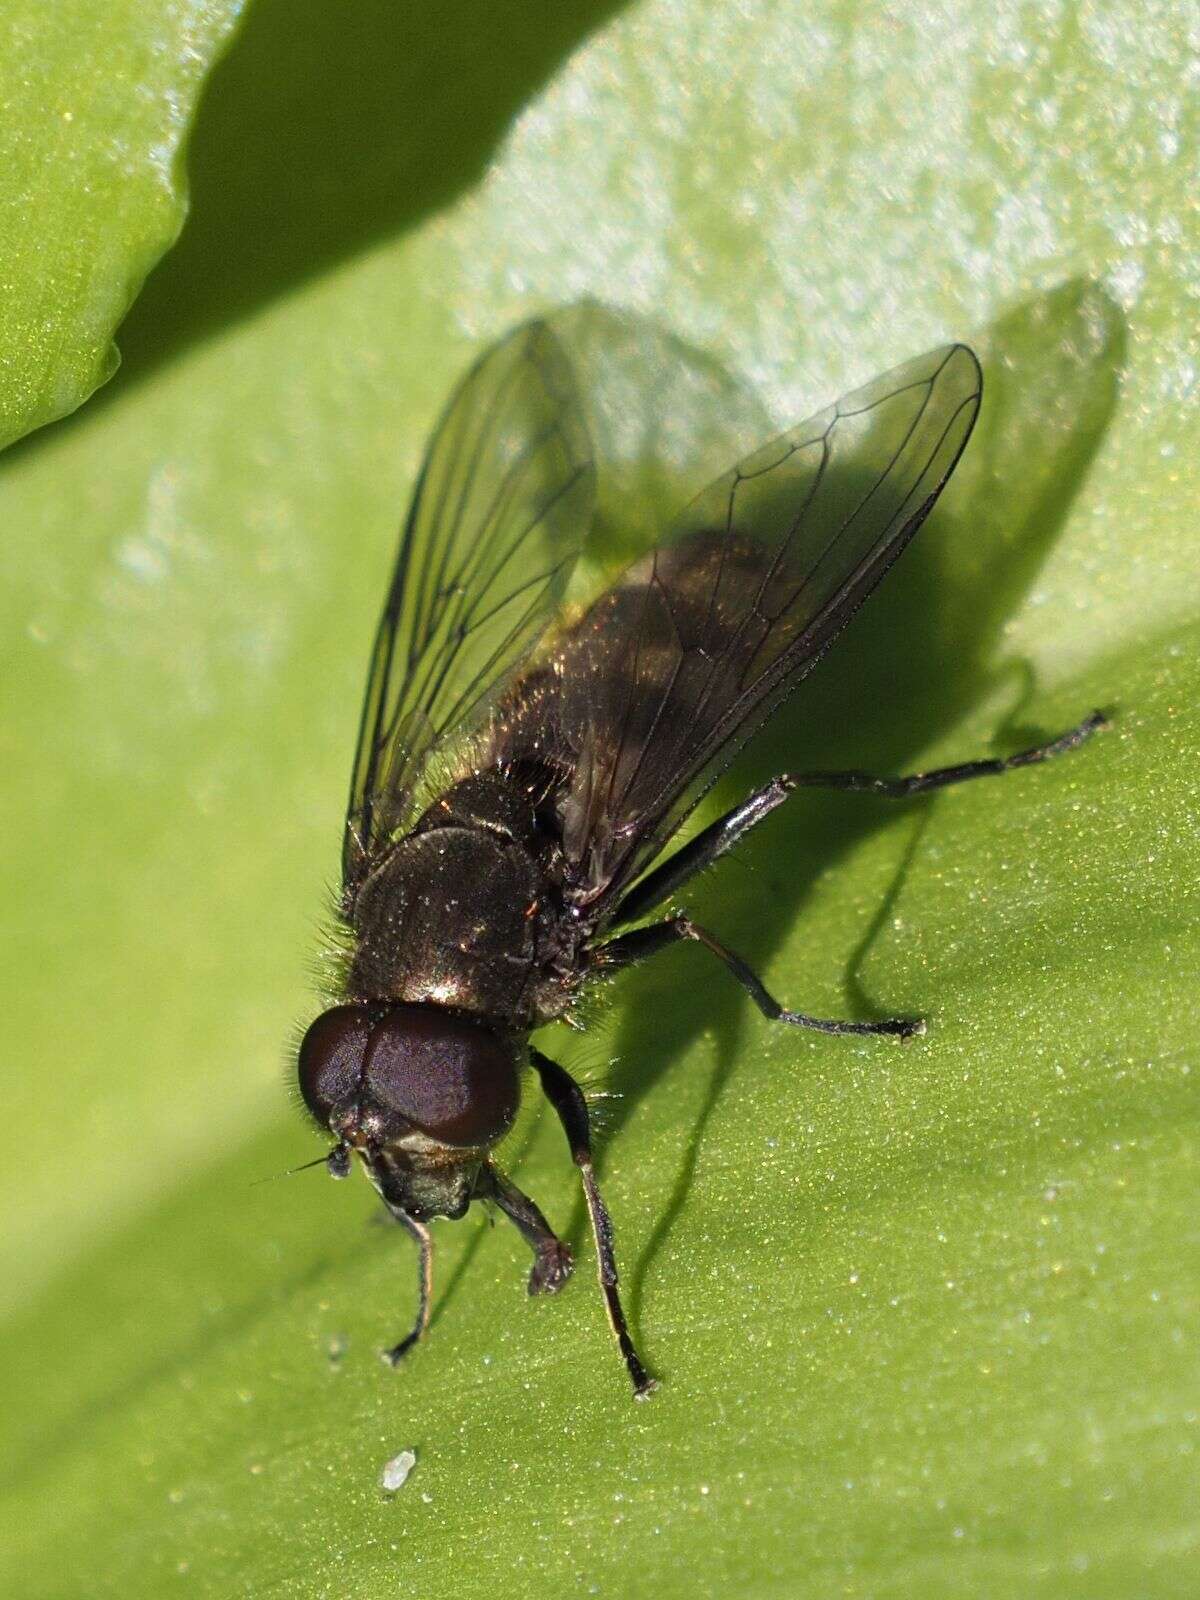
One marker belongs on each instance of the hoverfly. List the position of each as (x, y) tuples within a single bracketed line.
[(522, 770)]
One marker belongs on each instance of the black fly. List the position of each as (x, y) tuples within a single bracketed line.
[(521, 771)]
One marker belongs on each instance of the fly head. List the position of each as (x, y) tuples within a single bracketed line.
[(418, 1093)]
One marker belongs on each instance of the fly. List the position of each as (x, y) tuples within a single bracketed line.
[(521, 773)]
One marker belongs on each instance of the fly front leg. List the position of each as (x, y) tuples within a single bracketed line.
[(421, 1234), (645, 942), (552, 1260), (565, 1095), (720, 836)]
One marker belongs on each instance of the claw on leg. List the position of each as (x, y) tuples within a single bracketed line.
[(553, 1266)]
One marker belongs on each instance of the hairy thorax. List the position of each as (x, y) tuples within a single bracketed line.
[(465, 913)]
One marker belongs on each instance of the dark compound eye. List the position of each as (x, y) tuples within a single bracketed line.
[(451, 1079), (332, 1056)]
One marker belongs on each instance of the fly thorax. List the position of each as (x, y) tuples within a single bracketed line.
[(451, 919)]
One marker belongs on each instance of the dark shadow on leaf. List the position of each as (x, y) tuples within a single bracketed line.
[(328, 128), (126, 1280), (923, 653), (860, 1001)]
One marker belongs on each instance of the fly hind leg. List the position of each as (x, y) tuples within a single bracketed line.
[(720, 836)]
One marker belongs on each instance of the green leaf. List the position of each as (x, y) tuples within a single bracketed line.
[(97, 105), (926, 1316)]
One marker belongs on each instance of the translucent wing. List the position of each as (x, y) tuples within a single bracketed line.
[(671, 670), (501, 508)]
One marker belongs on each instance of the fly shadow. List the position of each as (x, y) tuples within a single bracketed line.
[(925, 651)]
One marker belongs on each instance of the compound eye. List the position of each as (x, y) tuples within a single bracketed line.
[(332, 1055), (453, 1080)]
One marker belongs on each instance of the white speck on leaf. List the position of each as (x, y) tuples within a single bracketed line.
[(395, 1473)]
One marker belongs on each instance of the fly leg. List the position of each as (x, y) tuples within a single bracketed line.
[(552, 1261), (699, 853), (645, 942), (565, 1095), (421, 1234), (721, 836), (943, 777)]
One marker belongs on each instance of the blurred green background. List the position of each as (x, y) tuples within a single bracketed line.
[(926, 1317)]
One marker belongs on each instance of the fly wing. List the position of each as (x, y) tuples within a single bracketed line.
[(654, 690), (501, 509)]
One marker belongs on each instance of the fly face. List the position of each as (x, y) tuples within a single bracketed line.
[(519, 778)]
